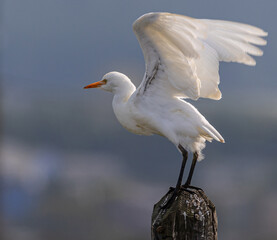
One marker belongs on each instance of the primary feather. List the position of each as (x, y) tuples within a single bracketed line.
[(190, 50)]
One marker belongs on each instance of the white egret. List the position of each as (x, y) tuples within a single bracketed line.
[(182, 57)]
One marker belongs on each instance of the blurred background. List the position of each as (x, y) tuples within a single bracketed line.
[(68, 168)]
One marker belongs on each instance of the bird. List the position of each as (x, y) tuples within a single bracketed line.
[(182, 56)]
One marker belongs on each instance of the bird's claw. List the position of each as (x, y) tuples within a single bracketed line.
[(186, 187), (171, 199)]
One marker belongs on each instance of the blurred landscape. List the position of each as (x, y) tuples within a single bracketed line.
[(68, 168)]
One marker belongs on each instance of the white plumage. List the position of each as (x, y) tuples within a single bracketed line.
[(182, 57)]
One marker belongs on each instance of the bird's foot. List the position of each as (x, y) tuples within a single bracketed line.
[(170, 199), (168, 202), (187, 186)]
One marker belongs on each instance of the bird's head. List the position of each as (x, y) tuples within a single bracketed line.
[(113, 82)]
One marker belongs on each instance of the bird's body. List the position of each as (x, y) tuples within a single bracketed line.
[(172, 118), (182, 57)]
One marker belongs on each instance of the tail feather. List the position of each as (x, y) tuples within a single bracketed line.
[(209, 133)]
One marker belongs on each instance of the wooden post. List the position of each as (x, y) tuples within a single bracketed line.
[(191, 216)]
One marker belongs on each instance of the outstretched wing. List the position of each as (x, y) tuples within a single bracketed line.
[(182, 54)]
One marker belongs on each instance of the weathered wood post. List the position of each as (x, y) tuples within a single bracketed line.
[(191, 216)]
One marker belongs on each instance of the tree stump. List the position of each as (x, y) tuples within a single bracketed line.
[(191, 216)]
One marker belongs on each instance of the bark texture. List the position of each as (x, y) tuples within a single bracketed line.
[(191, 216)]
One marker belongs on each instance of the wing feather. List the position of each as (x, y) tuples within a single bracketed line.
[(187, 52)]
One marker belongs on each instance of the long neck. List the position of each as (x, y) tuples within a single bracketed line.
[(120, 102), (123, 93)]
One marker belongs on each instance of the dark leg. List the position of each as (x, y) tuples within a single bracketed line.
[(194, 160), (179, 182), (180, 178)]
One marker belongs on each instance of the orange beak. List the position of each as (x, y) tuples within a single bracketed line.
[(96, 84)]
